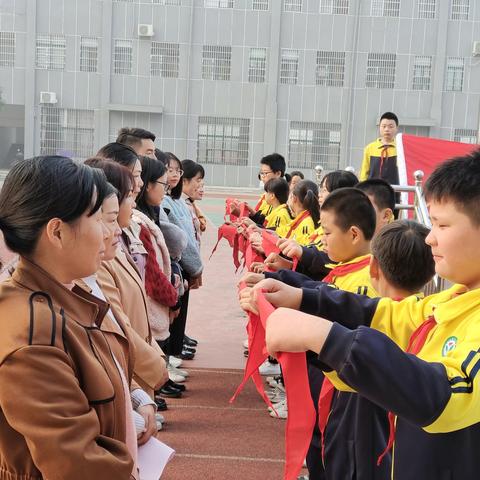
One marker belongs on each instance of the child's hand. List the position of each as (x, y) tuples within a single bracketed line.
[(258, 267), (247, 300), (280, 294), (275, 262), (290, 248), (252, 278)]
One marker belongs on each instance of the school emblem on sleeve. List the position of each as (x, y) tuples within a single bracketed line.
[(449, 345)]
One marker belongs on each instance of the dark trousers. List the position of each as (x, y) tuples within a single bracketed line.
[(174, 344)]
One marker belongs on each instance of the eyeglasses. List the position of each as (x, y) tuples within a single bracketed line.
[(175, 170), (264, 174), (166, 186)]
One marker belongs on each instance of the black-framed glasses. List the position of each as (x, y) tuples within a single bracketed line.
[(166, 186)]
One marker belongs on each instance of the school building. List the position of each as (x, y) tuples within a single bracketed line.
[(226, 81)]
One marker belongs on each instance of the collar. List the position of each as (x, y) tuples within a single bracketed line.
[(350, 262), (391, 144), (81, 306), (454, 303)]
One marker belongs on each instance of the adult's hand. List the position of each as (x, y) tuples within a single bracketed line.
[(148, 414)]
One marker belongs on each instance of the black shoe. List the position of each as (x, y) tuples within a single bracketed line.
[(178, 386), (189, 349), (186, 355), (191, 342), (161, 404), (169, 391)]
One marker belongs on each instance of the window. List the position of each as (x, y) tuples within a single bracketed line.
[(167, 2), (7, 49), (312, 143), (165, 60), (330, 69), (218, 4), (460, 10), (381, 70), (216, 62), (88, 54), (66, 131), (454, 76), (422, 73), (123, 57), (335, 7), (257, 65), (51, 52), (223, 141), (465, 135), (385, 8), (260, 5), (293, 5), (426, 8), (289, 67)]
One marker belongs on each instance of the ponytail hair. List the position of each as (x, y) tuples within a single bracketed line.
[(306, 192)]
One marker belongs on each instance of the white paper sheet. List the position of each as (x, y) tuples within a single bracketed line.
[(152, 459)]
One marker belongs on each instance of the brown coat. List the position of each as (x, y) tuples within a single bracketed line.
[(62, 404), (122, 286)]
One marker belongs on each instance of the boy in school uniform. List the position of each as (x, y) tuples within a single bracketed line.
[(277, 191), (417, 359)]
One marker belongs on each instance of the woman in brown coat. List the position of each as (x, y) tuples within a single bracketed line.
[(62, 397)]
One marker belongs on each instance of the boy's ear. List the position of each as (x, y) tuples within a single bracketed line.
[(374, 268), (356, 234), (387, 215)]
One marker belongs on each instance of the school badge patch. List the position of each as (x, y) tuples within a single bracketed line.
[(449, 345)]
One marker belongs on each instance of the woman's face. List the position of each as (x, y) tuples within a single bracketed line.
[(191, 187), (110, 211), (156, 190), (174, 173), (126, 210), (322, 193), (137, 178)]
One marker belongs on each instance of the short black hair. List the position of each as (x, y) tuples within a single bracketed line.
[(382, 192), (389, 116), (403, 256), (176, 192), (279, 187), (134, 136), (152, 170), (458, 180), (306, 192), (276, 162), (338, 179), (117, 175), (351, 207), (39, 189), (119, 153), (191, 169), (159, 155), (297, 173)]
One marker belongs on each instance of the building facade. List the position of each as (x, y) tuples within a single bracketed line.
[(226, 81)]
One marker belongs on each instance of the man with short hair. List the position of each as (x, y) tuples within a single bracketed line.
[(142, 141)]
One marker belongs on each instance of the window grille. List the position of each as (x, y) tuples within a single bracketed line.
[(334, 7), (216, 62), (460, 10), (7, 49), (314, 143), (260, 5), (165, 59), (465, 135), (123, 57), (330, 70), (381, 70), (218, 4), (289, 67), (426, 8), (67, 132), (455, 74), (257, 65), (167, 2), (223, 141), (88, 54), (422, 73), (293, 5), (385, 8), (51, 52)]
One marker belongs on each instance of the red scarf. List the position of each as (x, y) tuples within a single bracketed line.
[(415, 344), (297, 222), (229, 232), (269, 245)]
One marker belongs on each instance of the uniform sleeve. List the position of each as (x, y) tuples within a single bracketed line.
[(365, 168), (50, 410), (313, 263), (294, 279)]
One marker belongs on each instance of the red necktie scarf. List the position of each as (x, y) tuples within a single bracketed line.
[(383, 157), (269, 245)]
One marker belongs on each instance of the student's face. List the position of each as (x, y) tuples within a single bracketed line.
[(454, 242), (339, 245), (192, 185), (110, 211), (156, 191), (269, 198), (146, 148), (295, 179), (388, 129), (266, 173), (137, 178), (126, 210), (322, 193), (174, 173)]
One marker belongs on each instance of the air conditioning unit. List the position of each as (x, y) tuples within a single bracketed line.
[(48, 97), (476, 49), (145, 30)]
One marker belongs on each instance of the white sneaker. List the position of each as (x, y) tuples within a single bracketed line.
[(277, 405), (159, 417), (177, 371), (159, 426), (280, 412), (267, 368), (176, 378), (245, 344), (176, 362)]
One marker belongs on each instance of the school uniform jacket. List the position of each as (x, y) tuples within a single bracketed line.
[(301, 233), (380, 161), (62, 403), (278, 218), (262, 210), (435, 394)]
